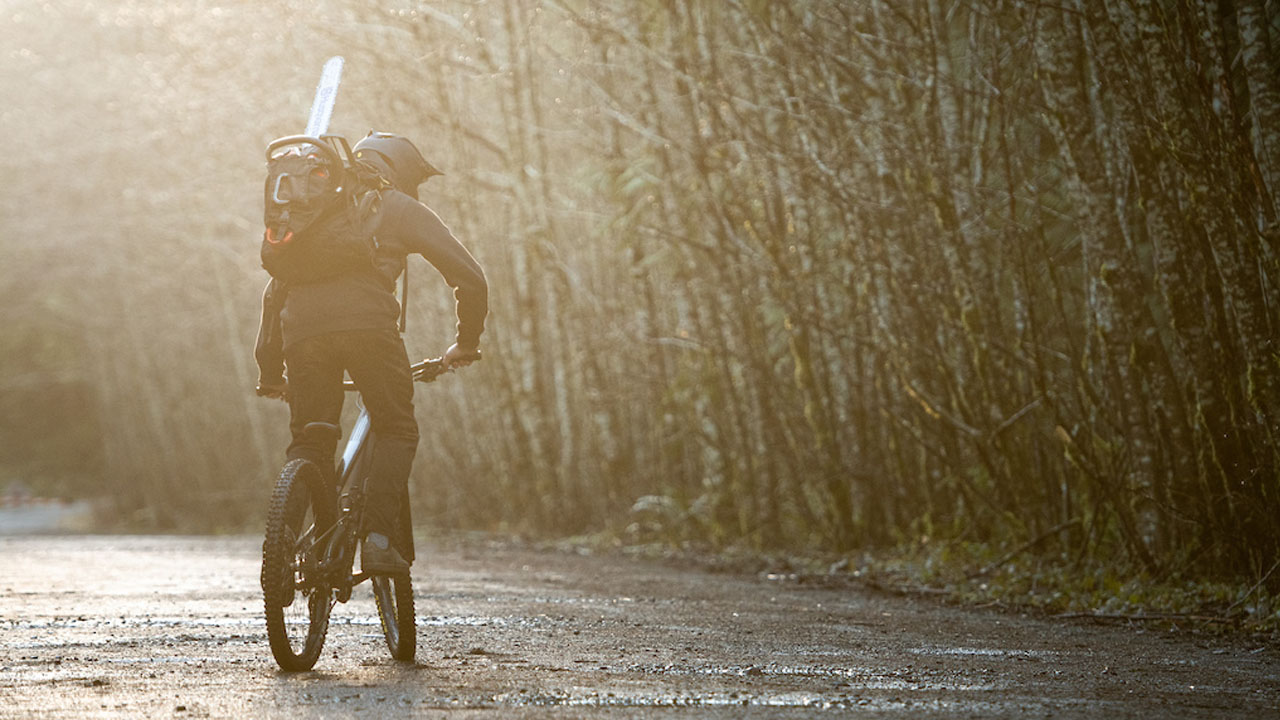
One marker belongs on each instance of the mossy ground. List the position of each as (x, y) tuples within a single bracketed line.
[(981, 575)]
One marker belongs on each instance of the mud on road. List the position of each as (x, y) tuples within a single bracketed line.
[(172, 627)]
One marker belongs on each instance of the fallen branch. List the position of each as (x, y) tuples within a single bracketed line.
[(1147, 617), (905, 589)]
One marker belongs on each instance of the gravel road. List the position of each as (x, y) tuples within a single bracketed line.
[(172, 627)]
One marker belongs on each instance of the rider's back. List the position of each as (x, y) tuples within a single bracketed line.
[(363, 299)]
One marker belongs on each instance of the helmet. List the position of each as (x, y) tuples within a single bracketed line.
[(398, 158)]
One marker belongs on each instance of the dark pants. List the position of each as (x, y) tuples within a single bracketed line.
[(377, 363)]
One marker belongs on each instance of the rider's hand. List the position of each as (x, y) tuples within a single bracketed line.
[(456, 357), (277, 391)]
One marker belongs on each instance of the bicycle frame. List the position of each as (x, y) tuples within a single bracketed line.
[(316, 566), (339, 541), (354, 447)]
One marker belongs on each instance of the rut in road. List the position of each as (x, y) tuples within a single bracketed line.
[(172, 626)]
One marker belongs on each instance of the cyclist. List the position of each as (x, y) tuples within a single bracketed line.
[(349, 323)]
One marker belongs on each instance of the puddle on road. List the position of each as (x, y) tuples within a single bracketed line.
[(356, 699), (471, 621), (674, 700), (338, 618), (852, 678), (969, 706), (97, 623), (985, 652)]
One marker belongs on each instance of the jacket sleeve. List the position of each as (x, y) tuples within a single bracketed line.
[(421, 231), (269, 348)]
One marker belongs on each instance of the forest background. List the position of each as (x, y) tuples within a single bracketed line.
[(987, 286)]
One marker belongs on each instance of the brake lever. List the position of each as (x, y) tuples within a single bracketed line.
[(430, 370)]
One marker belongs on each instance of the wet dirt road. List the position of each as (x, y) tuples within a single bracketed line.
[(172, 627)]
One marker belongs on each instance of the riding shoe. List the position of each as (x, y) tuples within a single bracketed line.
[(378, 557)]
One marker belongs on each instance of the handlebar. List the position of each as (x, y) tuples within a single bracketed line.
[(423, 372), (427, 370)]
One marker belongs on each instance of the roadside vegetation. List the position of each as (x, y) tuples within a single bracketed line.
[(986, 286)]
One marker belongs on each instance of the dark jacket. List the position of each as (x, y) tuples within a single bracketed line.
[(364, 299)]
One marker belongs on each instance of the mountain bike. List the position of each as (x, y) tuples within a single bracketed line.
[(309, 552)]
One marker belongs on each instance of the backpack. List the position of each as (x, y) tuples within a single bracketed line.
[(317, 211)]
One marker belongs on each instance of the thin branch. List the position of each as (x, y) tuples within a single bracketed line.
[(1024, 547)]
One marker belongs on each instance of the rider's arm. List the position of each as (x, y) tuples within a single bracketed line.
[(422, 231), (269, 348)]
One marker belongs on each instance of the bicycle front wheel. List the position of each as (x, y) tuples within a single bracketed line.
[(394, 597), (295, 596)]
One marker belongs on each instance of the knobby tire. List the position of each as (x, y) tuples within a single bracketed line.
[(296, 600), (394, 597)]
